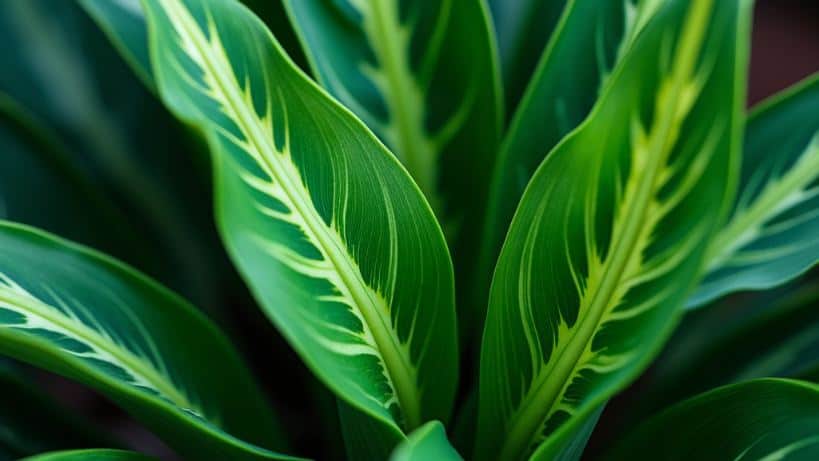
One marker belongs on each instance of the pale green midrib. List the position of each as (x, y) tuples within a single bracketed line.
[(538, 402), (411, 140), (740, 230), (86, 335), (397, 364)]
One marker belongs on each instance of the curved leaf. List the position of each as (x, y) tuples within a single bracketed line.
[(329, 231), (772, 235), (738, 344), (555, 102), (39, 186), (97, 454), (426, 443), (522, 28), (68, 77), (612, 230), (422, 76), (82, 315), (766, 419)]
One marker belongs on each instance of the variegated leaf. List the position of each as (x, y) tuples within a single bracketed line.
[(765, 419), (612, 230), (329, 231), (554, 104), (82, 315), (773, 233), (422, 76)]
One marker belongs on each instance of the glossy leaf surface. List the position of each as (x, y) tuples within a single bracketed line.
[(422, 76), (555, 102), (426, 443), (329, 231), (82, 315), (773, 233), (767, 419), (612, 230)]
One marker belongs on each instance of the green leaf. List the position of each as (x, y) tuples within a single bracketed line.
[(77, 313), (555, 102), (766, 419), (335, 241), (39, 186), (364, 437), (772, 234), (612, 230), (522, 28), (96, 454), (422, 76), (425, 443), (23, 429), (740, 339), (67, 77), (124, 23)]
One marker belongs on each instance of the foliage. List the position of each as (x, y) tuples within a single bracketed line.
[(466, 225)]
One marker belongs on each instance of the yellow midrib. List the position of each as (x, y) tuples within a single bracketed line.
[(538, 403), (398, 365)]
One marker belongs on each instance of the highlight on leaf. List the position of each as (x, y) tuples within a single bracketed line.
[(771, 235), (307, 201), (611, 231)]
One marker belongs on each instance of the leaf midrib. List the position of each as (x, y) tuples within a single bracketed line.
[(538, 403), (743, 228), (398, 365), (129, 361)]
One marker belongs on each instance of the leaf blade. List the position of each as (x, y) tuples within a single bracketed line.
[(769, 238), (301, 189), (597, 218), (77, 313), (427, 442), (760, 419)]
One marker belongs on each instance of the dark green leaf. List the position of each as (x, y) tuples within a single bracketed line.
[(77, 313), (772, 235), (422, 76), (766, 419), (522, 28)]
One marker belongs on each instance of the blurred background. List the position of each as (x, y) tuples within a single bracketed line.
[(156, 221)]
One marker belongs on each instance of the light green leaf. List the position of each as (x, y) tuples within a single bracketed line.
[(335, 241), (96, 454), (422, 76), (766, 419), (773, 233), (522, 28), (77, 313), (428, 442), (555, 102), (612, 230)]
